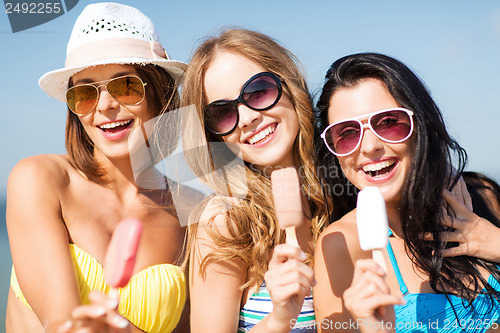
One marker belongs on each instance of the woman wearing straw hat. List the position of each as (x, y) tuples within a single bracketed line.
[(62, 209)]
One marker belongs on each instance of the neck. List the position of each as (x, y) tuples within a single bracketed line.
[(394, 220), (289, 161), (118, 172)]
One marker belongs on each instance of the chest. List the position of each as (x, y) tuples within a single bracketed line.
[(90, 213), (401, 266)]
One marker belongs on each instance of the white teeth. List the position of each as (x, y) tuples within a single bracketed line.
[(261, 135), (377, 166), (115, 124)]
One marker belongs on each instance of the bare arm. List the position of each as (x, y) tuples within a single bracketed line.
[(333, 268), (216, 295), (39, 241)]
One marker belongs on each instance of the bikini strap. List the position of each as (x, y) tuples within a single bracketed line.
[(402, 285)]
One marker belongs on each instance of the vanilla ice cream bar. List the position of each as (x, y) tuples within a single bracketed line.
[(371, 219)]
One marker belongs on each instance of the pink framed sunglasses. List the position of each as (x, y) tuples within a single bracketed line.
[(393, 125)]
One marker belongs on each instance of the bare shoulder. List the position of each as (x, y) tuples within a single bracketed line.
[(37, 182), (337, 250), (48, 170), (207, 234), (214, 215), (340, 239)]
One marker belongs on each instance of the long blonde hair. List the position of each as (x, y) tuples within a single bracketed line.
[(252, 227)]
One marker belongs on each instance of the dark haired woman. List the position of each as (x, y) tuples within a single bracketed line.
[(381, 127)]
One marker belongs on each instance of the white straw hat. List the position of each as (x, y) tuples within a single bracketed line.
[(109, 33)]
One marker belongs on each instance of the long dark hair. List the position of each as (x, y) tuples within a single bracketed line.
[(437, 162)]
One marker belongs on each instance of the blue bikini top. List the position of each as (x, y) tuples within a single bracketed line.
[(440, 313)]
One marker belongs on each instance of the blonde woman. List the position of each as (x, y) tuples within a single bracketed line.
[(250, 95)]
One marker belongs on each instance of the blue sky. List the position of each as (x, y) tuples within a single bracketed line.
[(453, 45)]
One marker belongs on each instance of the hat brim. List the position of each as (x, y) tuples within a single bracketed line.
[(55, 83)]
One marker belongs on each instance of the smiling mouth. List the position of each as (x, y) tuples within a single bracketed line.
[(262, 135), (379, 170), (115, 126)]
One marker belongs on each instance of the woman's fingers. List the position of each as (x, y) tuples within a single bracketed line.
[(110, 301), (460, 192), (368, 298), (290, 278), (291, 273), (460, 250), (99, 316), (383, 300), (366, 265), (458, 206), (289, 260), (65, 327), (369, 284), (86, 312), (284, 252)]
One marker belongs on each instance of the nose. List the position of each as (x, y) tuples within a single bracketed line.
[(248, 117), (370, 143), (106, 101)]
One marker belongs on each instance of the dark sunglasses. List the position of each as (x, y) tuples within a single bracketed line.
[(261, 92), (127, 90), (391, 125)]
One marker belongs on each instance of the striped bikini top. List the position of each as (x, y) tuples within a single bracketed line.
[(260, 305), (153, 300), (440, 313)]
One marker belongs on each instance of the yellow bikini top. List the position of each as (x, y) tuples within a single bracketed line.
[(153, 300)]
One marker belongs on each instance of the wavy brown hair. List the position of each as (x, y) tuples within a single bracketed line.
[(252, 227), (162, 95)]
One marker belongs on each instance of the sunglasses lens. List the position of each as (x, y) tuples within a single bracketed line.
[(81, 99), (261, 93), (392, 126), (128, 90), (221, 117), (343, 137)]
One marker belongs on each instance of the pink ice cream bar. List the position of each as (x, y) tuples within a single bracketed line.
[(122, 251), (287, 201)]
